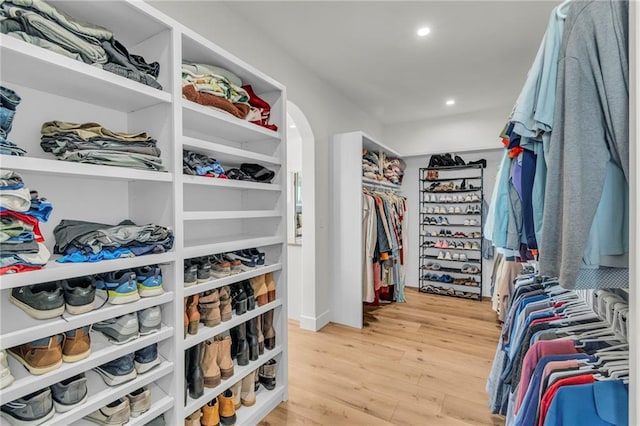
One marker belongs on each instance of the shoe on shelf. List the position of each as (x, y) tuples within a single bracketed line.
[(238, 298), (76, 344), (236, 389), (204, 269), (194, 418), (260, 289), (40, 356), (468, 199), (248, 263), (149, 280), (441, 255), (463, 258), (146, 358), (445, 244), (452, 210), (158, 421), (114, 413), (41, 301), (210, 414), (236, 264), (193, 313), (447, 256), (267, 373), (467, 245), (248, 290), (248, 393), (69, 393), (139, 401), (118, 287), (79, 294), (118, 371), (6, 378), (459, 245), (475, 198), (227, 408), (190, 273), (261, 256), (270, 332), (149, 320), (467, 222), (209, 307), (220, 268), (475, 246), (455, 257), (226, 311), (194, 373), (210, 368), (33, 409), (119, 330), (224, 360)]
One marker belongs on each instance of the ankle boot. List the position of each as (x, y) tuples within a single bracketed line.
[(195, 376), (252, 338), (233, 333), (186, 317), (271, 287), (242, 354), (256, 382), (248, 396), (210, 368), (251, 300), (238, 299), (210, 308), (210, 414), (268, 330), (267, 374), (225, 303), (259, 290), (260, 335), (193, 419), (237, 396), (227, 408), (224, 360), (192, 312)]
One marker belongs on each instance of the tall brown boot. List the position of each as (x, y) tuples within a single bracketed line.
[(248, 397), (271, 287), (259, 290), (225, 303), (260, 335), (192, 312), (210, 364), (210, 308), (225, 363), (268, 330), (186, 317)]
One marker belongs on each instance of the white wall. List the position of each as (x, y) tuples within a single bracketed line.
[(464, 132), (327, 110), (410, 188), (294, 261)]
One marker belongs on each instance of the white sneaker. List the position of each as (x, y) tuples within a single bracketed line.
[(447, 256), (463, 258), (5, 374), (456, 256), (441, 255), (467, 222), (475, 197), (451, 210), (457, 210)]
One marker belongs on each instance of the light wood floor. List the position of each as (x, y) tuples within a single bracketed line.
[(420, 363)]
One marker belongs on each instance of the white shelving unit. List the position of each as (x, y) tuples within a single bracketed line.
[(208, 216), (346, 182)]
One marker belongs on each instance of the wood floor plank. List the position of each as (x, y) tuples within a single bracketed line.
[(423, 363)]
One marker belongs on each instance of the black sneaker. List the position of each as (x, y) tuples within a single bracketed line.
[(79, 294), (41, 301), (33, 409)]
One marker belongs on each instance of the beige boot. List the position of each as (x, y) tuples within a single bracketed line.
[(186, 317), (259, 290), (271, 287), (237, 395), (225, 363), (225, 303), (193, 419), (248, 396), (210, 308), (192, 312), (210, 364)]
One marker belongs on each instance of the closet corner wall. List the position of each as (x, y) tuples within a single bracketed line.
[(207, 215), (345, 249)]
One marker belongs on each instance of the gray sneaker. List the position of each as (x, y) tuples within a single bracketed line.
[(116, 413), (150, 320), (118, 371), (41, 301), (139, 401), (158, 421), (190, 273), (79, 294), (33, 409), (119, 330), (69, 393)]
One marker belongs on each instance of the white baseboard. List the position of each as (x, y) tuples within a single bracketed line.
[(315, 323)]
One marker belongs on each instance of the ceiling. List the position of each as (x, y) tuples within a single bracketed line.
[(478, 52)]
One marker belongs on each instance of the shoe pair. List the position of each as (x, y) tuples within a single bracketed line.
[(128, 327), (40, 406), (471, 222), (48, 300), (44, 355), (444, 256), (126, 286), (119, 411), (218, 411), (127, 367)]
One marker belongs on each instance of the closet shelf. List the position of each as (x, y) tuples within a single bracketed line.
[(468, 261), (466, 166), (101, 351), (228, 155), (59, 271), (27, 329), (440, 282), (229, 183), (451, 238), (239, 372), (206, 333), (101, 394), (368, 181), (450, 214), (220, 282), (205, 120), (451, 191), (450, 179), (450, 270), (265, 402), (221, 215), (43, 166), (229, 243), (32, 66), (450, 248), (453, 225), (449, 202)]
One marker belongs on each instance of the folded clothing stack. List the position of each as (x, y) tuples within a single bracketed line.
[(371, 165), (219, 88), (39, 23), (92, 143), (21, 211), (81, 241), (194, 163), (394, 170), (9, 101)]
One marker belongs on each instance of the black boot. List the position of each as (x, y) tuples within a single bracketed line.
[(251, 300), (195, 375), (252, 338), (242, 355), (238, 299)]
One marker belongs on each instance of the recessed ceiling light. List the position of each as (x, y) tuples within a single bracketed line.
[(292, 126), (450, 102), (424, 31)]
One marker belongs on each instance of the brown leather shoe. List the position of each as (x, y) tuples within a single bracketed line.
[(225, 363), (210, 414), (227, 408), (260, 290), (226, 311), (210, 308), (76, 345), (192, 312), (186, 317), (40, 356), (248, 396), (210, 364), (271, 287)]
